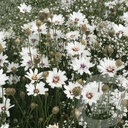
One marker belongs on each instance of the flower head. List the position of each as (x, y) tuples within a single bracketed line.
[(56, 78), (34, 76), (36, 89), (24, 8)]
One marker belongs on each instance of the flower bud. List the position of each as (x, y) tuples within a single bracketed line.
[(40, 120), (83, 28), (38, 23), (33, 105), (76, 91), (119, 62), (96, 45), (28, 31), (84, 42), (14, 69), (22, 94), (48, 35), (17, 41), (80, 81), (45, 74), (55, 110), (52, 60), (110, 50), (111, 33), (10, 91), (105, 88), (124, 103), (58, 55)]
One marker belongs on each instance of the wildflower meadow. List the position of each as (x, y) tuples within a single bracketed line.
[(64, 64)]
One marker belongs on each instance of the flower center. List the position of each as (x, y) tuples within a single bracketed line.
[(72, 36), (89, 95), (110, 69), (75, 49), (82, 66), (3, 108), (36, 91), (34, 77), (76, 19), (56, 79)]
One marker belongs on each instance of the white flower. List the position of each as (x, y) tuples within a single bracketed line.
[(34, 39), (91, 92), (56, 34), (3, 59), (58, 19), (77, 17), (44, 62), (3, 78), (37, 89), (34, 76), (13, 79), (74, 48), (24, 8), (53, 126), (71, 89), (5, 106), (72, 35), (81, 65), (108, 66), (56, 78), (12, 67)]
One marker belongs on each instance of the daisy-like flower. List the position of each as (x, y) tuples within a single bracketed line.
[(3, 59), (72, 35), (27, 63), (44, 62), (108, 66), (34, 39), (77, 17), (56, 34), (56, 78), (34, 76), (24, 8), (13, 79), (81, 65), (12, 67), (36, 89), (91, 92), (73, 90), (3, 78), (58, 19), (74, 48), (5, 106), (53, 126)]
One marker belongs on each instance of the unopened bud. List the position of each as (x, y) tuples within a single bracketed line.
[(52, 60), (119, 62), (28, 31), (58, 55), (105, 88), (14, 69), (33, 105), (76, 91), (38, 23), (84, 28), (40, 120), (22, 94), (10, 91), (80, 81), (17, 41), (55, 110), (84, 42), (45, 74)]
